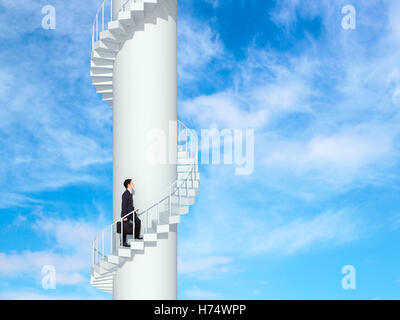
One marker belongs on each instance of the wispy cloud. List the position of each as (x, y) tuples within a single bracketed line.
[(49, 131)]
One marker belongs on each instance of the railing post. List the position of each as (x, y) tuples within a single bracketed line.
[(179, 197), (102, 14), (97, 27), (97, 248), (147, 221), (111, 239), (187, 189)]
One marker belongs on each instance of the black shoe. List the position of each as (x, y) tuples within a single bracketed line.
[(139, 238), (126, 245)]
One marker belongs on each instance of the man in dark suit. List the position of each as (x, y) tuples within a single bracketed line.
[(127, 207)]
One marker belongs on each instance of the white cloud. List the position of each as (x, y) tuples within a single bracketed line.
[(198, 46), (69, 252), (249, 225), (214, 3), (341, 158), (286, 13), (9, 199), (222, 110), (262, 90), (394, 21), (299, 235), (196, 293), (28, 262)]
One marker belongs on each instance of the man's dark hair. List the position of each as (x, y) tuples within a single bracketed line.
[(126, 182)]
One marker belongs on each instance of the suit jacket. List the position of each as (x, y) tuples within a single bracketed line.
[(127, 204)]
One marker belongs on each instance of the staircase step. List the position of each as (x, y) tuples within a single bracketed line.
[(98, 62), (105, 46), (98, 270), (113, 259), (101, 55), (149, 5), (186, 161), (104, 89), (107, 96), (117, 28), (106, 288), (98, 276), (101, 71), (166, 218), (186, 168), (105, 285), (174, 219), (101, 80), (183, 154), (191, 184), (150, 236), (107, 265), (175, 209), (187, 201), (161, 226), (188, 192), (118, 37), (105, 64), (102, 282), (104, 70)]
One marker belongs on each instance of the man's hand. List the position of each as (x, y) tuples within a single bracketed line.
[(125, 219)]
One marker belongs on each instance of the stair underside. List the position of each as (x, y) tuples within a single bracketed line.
[(102, 274), (103, 57)]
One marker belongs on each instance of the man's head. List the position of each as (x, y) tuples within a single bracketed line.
[(128, 184)]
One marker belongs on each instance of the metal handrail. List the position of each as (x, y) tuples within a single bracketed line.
[(189, 172)]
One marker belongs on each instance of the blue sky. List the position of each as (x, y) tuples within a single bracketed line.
[(325, 106)]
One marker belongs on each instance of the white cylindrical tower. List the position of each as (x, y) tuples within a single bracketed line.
[(145, 98)]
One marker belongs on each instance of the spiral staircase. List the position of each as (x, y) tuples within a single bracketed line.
[(110, 31)]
